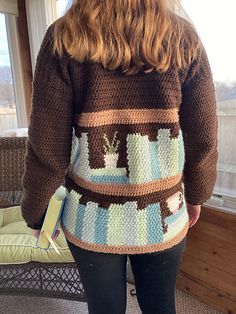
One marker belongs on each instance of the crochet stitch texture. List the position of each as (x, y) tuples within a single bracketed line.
[(131, 149)]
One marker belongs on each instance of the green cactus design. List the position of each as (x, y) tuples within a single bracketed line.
[(110, 148)]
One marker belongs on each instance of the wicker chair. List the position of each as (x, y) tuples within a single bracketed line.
[(56, 280)]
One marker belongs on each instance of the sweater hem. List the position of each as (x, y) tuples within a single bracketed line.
[(123, 249)]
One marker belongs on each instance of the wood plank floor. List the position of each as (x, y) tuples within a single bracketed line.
[(208, 266)]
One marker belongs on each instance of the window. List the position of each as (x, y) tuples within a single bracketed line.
[(12, 101), (8, 117), (62, 6), (216, 25)]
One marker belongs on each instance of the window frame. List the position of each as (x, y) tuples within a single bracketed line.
[(9, 7), (16, 69)]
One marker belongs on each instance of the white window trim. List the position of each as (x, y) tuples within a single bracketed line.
[(40, 14), (220, 198), (13, 44), (222, 202)]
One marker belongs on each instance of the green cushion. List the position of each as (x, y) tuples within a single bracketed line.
[(10, 214), (18, 245)]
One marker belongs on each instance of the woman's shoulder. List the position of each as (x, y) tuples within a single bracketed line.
[(47, 47)]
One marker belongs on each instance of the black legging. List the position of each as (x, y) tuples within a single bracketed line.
[(103, 276)]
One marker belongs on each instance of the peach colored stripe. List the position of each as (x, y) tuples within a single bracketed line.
[(126, 189), (122, 249), (127, 116)]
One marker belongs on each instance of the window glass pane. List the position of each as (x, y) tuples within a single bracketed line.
[(8, 116), (216, 26), (62, 6)]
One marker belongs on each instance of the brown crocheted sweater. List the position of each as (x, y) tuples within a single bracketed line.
[(128, 140)]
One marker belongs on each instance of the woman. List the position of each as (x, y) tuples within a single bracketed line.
[(124, 110)]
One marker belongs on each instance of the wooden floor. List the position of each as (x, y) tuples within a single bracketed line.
[(208, 266)]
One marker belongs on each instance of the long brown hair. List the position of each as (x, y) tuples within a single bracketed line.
[(134, 35)]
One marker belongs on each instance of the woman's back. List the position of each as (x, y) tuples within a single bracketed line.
[(142, 146)]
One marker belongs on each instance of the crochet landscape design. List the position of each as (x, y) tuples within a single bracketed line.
[(128, 226)]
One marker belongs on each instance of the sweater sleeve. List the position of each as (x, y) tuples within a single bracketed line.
[(48, 145), (199, 124)]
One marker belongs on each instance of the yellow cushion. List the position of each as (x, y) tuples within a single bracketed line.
[(18, 245)]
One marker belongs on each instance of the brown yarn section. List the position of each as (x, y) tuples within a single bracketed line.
[(143, 129), (64, 88), (104, 90), (105, 200)]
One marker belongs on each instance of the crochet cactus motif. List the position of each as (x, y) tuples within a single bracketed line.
[(111, 148)]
